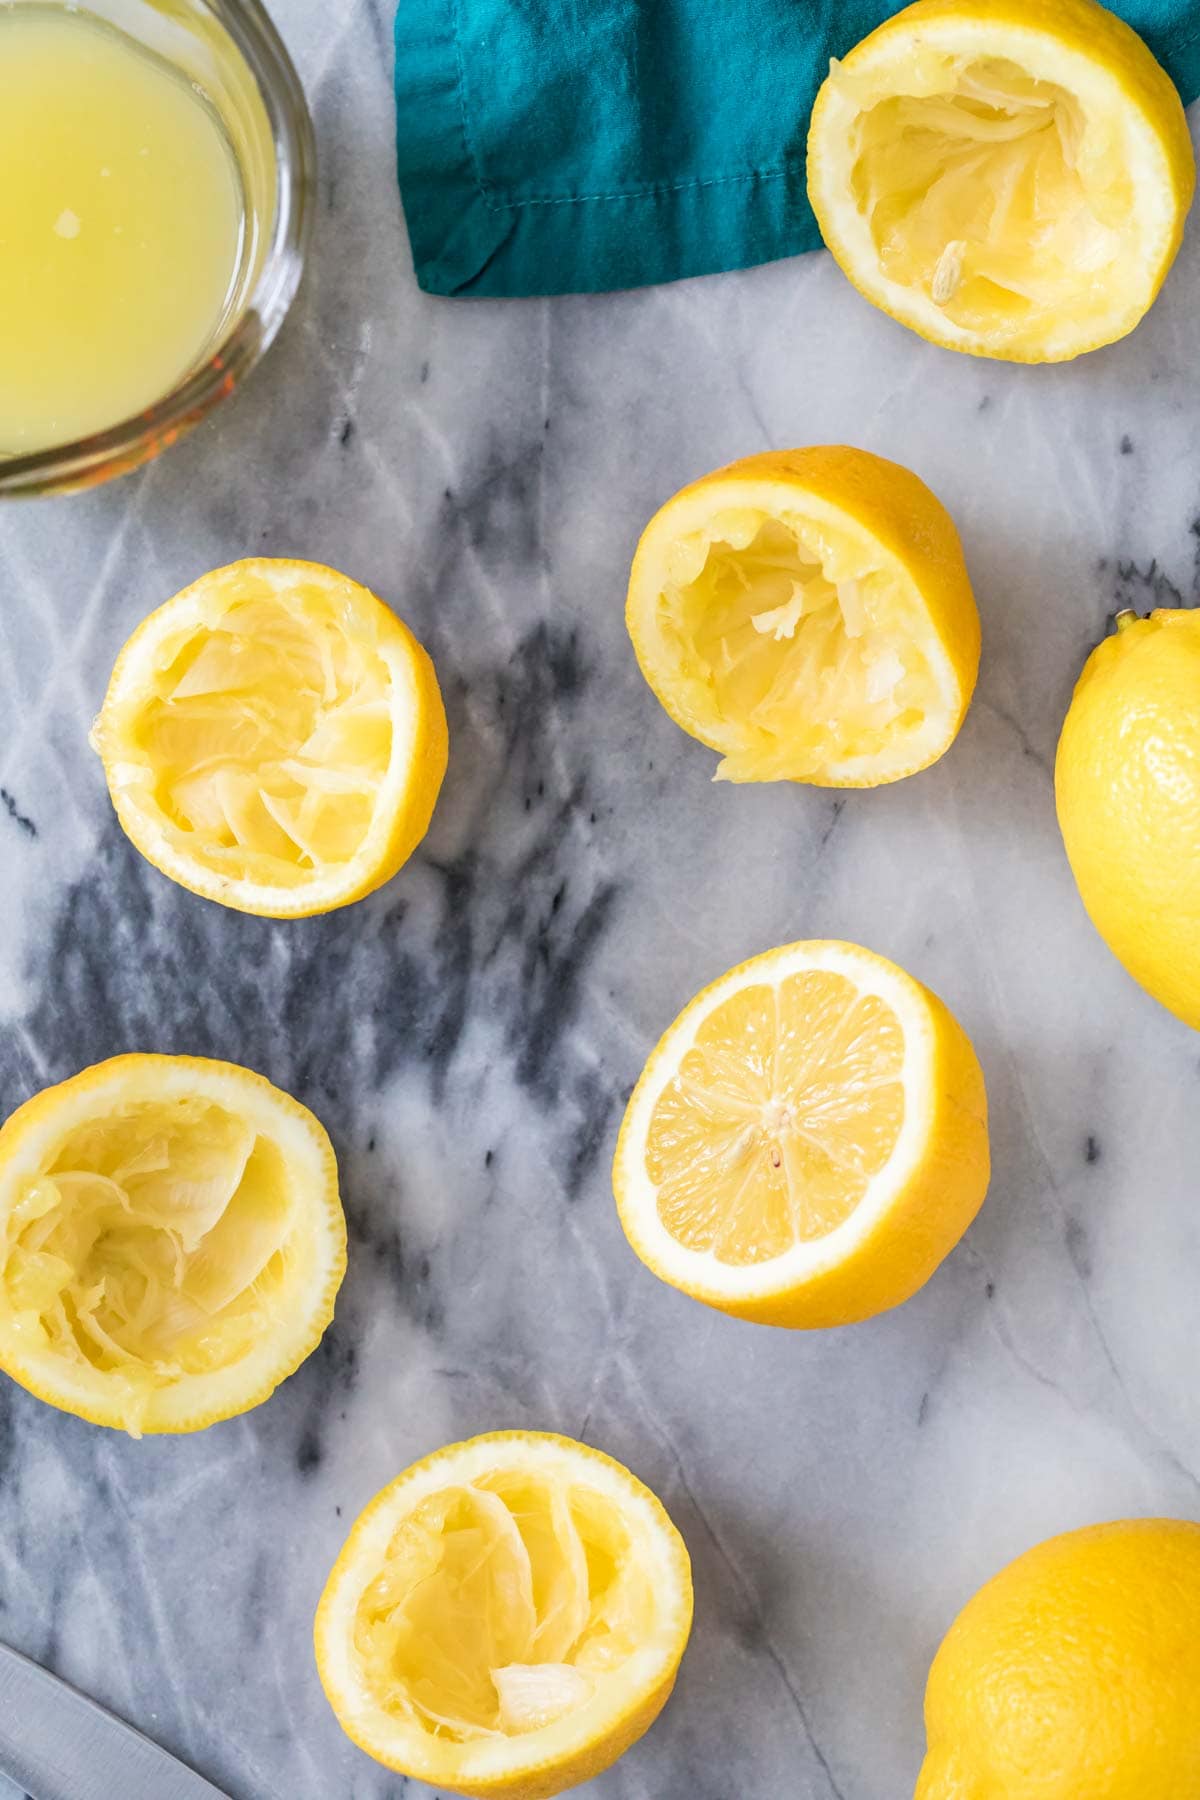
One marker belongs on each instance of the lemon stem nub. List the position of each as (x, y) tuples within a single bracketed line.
[(1125, 618)]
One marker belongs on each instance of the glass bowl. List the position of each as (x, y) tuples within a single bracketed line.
[(231, 50)]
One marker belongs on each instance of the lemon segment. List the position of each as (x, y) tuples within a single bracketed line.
[(1007, 179), (1074, 1672), (808, 614), (1127, 786), (171, 1242), (506, 1617), (274, 738), (752, 1156), (807, 1142)]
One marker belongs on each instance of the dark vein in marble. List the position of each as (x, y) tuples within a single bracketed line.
[(1080, 1265), (20, 819), (8, 1435), (1145, 587), (1078, 1246), (496, 508), (836, 810), (1026, 744), (380, 31), (753, 1627)]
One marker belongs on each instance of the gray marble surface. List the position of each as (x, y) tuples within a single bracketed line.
[(469, 1033)]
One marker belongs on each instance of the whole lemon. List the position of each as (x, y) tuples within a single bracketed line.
[(1074, 1674), (1127, 782)]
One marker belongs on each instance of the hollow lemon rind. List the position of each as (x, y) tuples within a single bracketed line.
[(1085, 49), (855, 491), (195, 1401), (915, 1209), (572, 1749), (407, 796)]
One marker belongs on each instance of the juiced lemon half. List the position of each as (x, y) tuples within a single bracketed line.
[(807, 1142), (274, 738), (506, 1618), (1008, 177), (807, 614), (171, 1241)]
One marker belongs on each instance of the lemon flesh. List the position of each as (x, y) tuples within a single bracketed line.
[(155, 1245), (807, 1142), (274, 738), (807, 613), (802, 639), (981, 194), (1010, 180), (503, 1604), (267, 737), (790, 1100), (506, 1618)]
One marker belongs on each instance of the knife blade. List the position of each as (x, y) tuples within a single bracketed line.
[(59, 1745)]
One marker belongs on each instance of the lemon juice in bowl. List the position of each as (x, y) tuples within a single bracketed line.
[(155, 159)]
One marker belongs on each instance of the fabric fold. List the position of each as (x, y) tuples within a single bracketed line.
[(574, 146)]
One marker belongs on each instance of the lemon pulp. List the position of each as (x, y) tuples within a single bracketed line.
[(265, 736), (153, 1244), (790, 1099), (986, 190), (804, 640), (503, 1603)]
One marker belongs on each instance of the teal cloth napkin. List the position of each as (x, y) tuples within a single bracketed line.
[(569, 146)]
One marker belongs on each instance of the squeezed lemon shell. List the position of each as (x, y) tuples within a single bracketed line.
[(917, 1206), (407, 797), (1089, 51), (201, 1400), (860, 491), (570, 1750)]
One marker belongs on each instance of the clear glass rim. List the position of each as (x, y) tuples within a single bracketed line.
[(120, 448)]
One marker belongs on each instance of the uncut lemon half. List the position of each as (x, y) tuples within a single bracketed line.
[(274, 738), (1127, 786), (506, 1618), (807, 614), (1073, 1674), (171, 1241), (808, 1140), (1007, 177)]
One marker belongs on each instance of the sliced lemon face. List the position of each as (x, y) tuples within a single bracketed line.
[(506, 1618), (807, 614), (171, 1242), (274, 738), (807, 1142), (1008, 179)]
